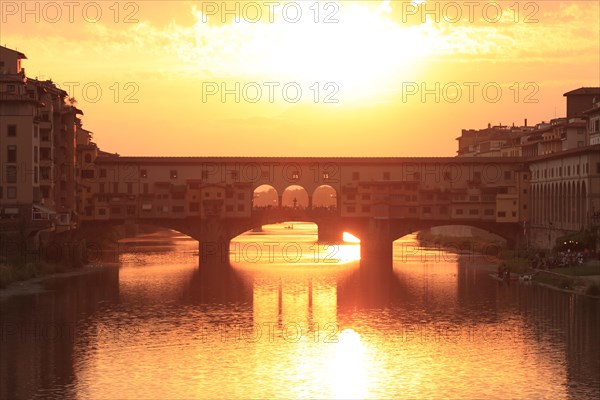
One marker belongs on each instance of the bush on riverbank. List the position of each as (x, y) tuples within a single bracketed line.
[(17, 269)]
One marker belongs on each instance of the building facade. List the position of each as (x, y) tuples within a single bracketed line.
[(565, 194), (38, 156)]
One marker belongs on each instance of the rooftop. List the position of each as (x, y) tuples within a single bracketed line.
[(583, 91)]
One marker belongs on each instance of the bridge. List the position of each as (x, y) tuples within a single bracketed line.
[(213, 199)]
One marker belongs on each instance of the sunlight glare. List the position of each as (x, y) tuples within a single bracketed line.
[(348, 367), (350, 238)]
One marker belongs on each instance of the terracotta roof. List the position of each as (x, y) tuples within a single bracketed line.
[(19, 54), (583, 91)]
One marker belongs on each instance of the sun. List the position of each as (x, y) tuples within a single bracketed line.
[(355, 46)]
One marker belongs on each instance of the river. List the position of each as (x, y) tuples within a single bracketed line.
[(290, 319)]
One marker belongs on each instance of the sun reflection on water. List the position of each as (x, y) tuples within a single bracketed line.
[(348, 378)]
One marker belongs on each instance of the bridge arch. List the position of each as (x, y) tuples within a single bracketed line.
[(295, 196), (324, 196), (508, 232), (265, 196)]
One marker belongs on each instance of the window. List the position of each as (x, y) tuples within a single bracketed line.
[(524, 206), (240, 207), (130, 210), (194, 207), (115, 187), (10, 88), (129, 188), (427, 210), (229, 194), (11, 155), (228, 208), (459, 211), (11, 130), (11, 192), (234, 175), (11, 174), (514, 213), (145, 188), (501, 214), (412, 210), (366, 208), (417, 176), (473, 212), (524, 191), (102, 173), (102, 211), (473, 198), (488, 211), (241, 196), (35, 154), (87, 158), (507, 175), (173, 174), (143, 173), (476, 176), (115, 210), (366, 196), (178, 209), (350, 209), (45, 135), (355, 176), (101, 187), (351, 197)]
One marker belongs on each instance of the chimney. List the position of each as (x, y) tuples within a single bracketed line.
[(525, 122), (489, 125)]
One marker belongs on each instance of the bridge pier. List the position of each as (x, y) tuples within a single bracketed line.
[(376, 246), (330, 233), (214, 238)]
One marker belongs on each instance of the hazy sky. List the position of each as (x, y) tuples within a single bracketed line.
[(323, 78)]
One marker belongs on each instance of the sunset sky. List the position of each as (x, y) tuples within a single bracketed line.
[(372, 57)]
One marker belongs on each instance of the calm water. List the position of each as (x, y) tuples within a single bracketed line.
[(296, 321)]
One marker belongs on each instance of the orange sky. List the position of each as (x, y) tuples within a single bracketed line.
[(373, 58)]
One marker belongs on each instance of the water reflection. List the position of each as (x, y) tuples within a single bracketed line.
[(159, 327)]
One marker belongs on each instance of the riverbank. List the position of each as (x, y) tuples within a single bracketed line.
[(35, 285), (581, 279)]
